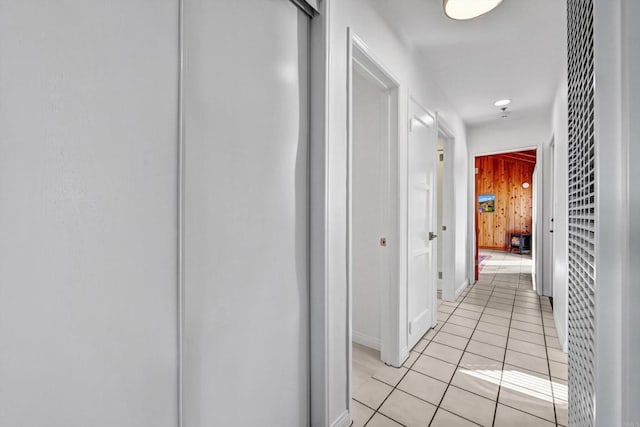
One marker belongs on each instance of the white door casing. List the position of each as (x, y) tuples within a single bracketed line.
[(422, 259)]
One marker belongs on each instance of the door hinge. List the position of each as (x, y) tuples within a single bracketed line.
[(442, 157), (444, 228), (439, 274)]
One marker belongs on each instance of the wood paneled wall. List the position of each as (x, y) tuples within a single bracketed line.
[(503, 176)]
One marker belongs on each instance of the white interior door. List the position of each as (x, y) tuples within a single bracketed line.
[(422, 223), (246, 307)]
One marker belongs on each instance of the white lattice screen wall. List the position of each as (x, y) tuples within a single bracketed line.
[(581, 214)]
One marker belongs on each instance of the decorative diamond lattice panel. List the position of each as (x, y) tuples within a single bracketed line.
[(581, 214)]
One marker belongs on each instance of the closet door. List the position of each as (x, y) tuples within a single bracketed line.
[(246, 338), (88, 178)]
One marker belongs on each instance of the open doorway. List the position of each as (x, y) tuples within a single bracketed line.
[(504, 212), (373, 243)]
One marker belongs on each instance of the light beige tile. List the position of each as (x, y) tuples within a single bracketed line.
[(532, 363), (527, 348), (413, 356), (550, 331), (407, 410), (471, 307), (467, 313), (457, 330), (532, 403), (527, 336), (526, 326), (489, 338), (496, 312), (482, 382), (479, 363), (468, 405), (486, 350), (509, 417), (360, 414), (442, 317), (447, 419), (521, 379), (390, 374), (380, 420), (500, 306), (495, 320), (372, 393), (451, 340), (501, 299), (422, 386), (521, 303), (443, 352), (435, 368), (446, 309), (493, 329), (558, 370), (560, 389), (526, 318), (420, 346), (526, 311), (430, 334), (557, 355), (562, 413), (553, 342), (462, 321)]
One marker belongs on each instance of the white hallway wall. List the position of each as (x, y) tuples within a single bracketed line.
[(414, 81), (88, 178)]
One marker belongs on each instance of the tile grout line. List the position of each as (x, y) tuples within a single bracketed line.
[(395, 387), (546, 349), (495, 411), (461, 356)]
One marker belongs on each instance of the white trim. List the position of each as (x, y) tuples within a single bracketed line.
[(448, 212), (461, 288), (357, 50), (472, 198), (366, 340), (344, 420), (319, 292)]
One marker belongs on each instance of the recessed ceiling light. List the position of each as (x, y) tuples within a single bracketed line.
[(502, 103), (462, 10)]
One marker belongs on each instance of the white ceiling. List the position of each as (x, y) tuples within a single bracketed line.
[(516, 51)]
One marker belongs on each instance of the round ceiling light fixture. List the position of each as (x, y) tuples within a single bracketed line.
[(462, 10), (502, 103), (525, 184)]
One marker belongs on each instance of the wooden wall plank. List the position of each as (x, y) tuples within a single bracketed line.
[(503, 176)]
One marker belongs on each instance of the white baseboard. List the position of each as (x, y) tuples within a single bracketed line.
[(461, 288), (404, 355), (366, 340), (344, 420)]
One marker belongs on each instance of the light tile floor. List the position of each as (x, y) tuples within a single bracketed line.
[(492, 360)]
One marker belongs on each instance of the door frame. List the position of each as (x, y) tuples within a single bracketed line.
[(359, 52), (472, 202), (448, 212)]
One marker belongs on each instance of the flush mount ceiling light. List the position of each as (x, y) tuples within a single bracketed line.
[(525, 185), (502, 103), (463, 10)]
